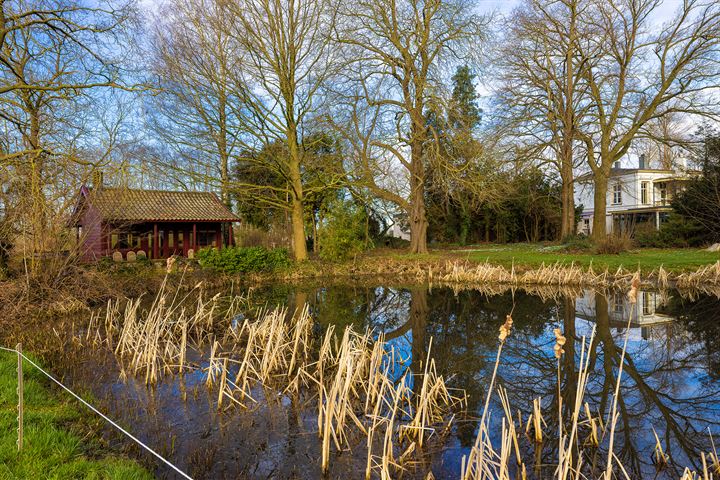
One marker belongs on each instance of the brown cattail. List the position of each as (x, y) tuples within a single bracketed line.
[(505, 328), (559, 342), (632, 294)]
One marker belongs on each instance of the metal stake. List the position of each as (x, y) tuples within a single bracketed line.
[(20, 397)]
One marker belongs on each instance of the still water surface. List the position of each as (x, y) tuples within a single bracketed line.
[(670, 382)]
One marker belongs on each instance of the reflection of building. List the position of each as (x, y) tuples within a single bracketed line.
[(636, 197), (648, 311)]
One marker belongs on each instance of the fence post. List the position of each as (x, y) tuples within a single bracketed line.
[(20, 397)]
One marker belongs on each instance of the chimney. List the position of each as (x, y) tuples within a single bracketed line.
[(642, 165)]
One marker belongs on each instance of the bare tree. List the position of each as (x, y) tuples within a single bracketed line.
[(661, 140), (288, 57), (55, 58), (641, 73), (195, 60), (397, 51), (542, 88)]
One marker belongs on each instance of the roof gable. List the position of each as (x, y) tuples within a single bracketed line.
[(130, 205)]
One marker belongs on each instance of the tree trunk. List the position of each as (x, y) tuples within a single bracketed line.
[(599, 206), (418, 222), (418, 219), (223, 150), (298, 230), (297, 214), (567, 225)]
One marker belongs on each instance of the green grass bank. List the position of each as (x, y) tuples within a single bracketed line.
[(528, 256), (58, 441)]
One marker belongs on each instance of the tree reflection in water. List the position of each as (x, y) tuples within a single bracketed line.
[(670, 382)]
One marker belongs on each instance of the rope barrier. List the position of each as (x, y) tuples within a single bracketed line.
[(130, 435)]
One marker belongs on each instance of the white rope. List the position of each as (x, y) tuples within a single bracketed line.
[(184, 475)]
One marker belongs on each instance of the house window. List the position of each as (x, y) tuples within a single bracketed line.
[(617, 194), (645, 193), (647, 303), (663, 193), (125, 240), (618, 304)]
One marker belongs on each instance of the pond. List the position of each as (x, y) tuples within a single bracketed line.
[(670, 382)]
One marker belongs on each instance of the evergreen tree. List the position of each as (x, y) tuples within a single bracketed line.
[(465, 114)]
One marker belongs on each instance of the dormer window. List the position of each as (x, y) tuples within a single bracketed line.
[(617, 194)]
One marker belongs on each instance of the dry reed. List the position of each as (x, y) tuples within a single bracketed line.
[(360, 394)]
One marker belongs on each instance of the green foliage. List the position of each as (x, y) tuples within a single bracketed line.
[(464, 111), (243, 259), (342, 236), (678, 231), (138, 267), (56, 444), (699, 203), (577, 243), (527, 210), (262, 193)]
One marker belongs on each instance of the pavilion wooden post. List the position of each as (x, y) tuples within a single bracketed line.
[(219, 237), (156, 242), (194, 237)]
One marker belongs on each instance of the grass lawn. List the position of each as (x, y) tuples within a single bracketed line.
[(525, 255), (56, 444)]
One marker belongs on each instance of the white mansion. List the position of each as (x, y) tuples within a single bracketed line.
[(636, 197)]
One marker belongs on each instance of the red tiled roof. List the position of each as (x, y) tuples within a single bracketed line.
[(130, 205)]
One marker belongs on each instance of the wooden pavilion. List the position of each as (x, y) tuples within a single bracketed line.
[(158, 223)]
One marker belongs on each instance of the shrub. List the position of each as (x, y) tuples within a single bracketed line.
[(243, 259), (614, 244), (342, 236), (577, 243), (678, 231)]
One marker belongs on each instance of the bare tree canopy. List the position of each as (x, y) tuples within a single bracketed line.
[(398, 52), (542, 92), (640, 74), (55, 58)]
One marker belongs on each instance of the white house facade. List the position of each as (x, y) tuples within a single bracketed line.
[(636, 197)]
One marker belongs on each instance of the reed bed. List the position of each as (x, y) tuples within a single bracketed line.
[(155, 340), (563, 275), (363, 392)]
